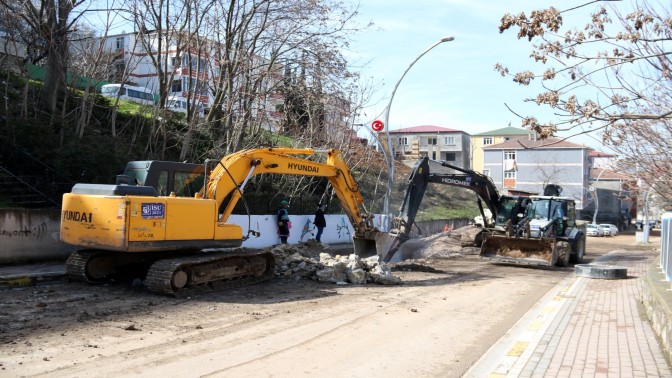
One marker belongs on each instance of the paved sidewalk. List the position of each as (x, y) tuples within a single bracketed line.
[(583, 328)]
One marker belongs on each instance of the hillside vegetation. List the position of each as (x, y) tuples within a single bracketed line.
[(93, 147)]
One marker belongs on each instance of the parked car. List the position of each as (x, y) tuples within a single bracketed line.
[(594, 230), (609, 229)]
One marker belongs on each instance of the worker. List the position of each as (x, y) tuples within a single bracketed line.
[(283, 221), (319, 222)]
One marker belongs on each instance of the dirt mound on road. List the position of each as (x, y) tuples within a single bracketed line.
[(447, 244)]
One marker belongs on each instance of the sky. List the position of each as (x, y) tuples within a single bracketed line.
[(454, 85)]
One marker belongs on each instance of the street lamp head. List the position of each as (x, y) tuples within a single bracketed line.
[(447, 39)]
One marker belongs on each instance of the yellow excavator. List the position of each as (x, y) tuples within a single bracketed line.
[(167, 221)]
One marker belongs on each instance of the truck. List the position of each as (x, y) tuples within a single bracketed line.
[(533, 230), (167, 221)]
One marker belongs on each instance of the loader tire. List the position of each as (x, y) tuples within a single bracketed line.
[(579, 250), (564, 249), (606, 272)]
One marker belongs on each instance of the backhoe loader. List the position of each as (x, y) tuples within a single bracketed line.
[(162, 220), (534, 230)]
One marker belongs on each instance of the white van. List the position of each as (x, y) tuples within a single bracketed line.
[(128, 92), (179, 104)]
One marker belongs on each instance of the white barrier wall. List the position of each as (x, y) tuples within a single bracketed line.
[(338, 230)]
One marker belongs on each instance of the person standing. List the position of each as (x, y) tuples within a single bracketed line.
[(283, 221), (320, 222)]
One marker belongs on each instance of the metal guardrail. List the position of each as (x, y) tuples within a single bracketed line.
[(666, 245)]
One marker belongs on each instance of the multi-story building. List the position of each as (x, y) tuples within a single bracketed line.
[(192, 73), (189, 73), (438, 143), (488, 138), (530, 164)]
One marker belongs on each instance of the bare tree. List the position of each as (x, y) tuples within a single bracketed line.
[(612, 75)]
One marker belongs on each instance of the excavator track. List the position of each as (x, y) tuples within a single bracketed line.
[(97, 266), (80, 264), (214, 271)]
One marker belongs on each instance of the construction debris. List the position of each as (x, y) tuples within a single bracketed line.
[(449, 244), (311, 260)]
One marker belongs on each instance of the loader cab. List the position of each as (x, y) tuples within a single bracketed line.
[(511, 207), (183, 179), (561, 210)]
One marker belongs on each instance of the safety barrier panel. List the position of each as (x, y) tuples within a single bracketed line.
[(666, 245)]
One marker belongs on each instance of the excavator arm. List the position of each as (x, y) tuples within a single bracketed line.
[(417, 183), (230, 176), (421, 176)]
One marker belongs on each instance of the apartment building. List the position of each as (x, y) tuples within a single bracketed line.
[(528, 165), (192, 73), (436, 142), (489, 138)]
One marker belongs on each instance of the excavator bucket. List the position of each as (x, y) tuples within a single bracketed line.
[(520, 250), (379, 243)]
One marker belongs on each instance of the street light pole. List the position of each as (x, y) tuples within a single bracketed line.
[(597, 202), (390, 177)]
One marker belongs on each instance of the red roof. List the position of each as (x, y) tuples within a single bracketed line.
[(599, 154), (608, 174), (425, 129), (520, 144)]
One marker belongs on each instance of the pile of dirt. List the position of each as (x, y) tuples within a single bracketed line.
[(311, 260), (449, 244)]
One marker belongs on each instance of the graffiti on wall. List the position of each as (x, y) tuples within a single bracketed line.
[(343, 229), (306, 230), (35, 232)]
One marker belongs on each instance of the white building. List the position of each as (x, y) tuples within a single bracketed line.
[(191, 74)]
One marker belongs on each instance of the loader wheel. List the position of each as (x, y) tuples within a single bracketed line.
[(579, 250), (564, 249)]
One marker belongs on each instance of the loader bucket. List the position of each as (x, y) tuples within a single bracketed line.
[(519, 251), (378, 243)]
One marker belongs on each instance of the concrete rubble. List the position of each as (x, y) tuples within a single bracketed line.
[(310, 260)]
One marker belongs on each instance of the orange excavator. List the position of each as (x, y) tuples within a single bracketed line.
[(167, 221)]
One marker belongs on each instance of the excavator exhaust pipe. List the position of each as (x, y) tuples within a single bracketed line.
[(519, 251)]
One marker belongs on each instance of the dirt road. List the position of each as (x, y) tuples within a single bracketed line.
[(433, 325)]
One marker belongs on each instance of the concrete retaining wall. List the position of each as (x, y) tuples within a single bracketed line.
[(30, 235), (33, 235), (657, 306)]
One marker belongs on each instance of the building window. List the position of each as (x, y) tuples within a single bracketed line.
[(176, 86), (486, 172), (449, 141), (450, 156), (403, 141), (175, 62), (430, 142), (509, 164), (487, 141), (120, 42)]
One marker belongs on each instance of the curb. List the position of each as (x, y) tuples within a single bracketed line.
[(31, 275)]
